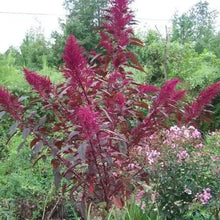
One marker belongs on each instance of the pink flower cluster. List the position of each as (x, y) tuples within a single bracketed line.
[(204, 197), (139, 196), (181, 134), (152, 156), (183, 156)]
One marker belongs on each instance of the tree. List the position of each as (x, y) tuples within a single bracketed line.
[(33, 49), (196, 26), (83, 16)]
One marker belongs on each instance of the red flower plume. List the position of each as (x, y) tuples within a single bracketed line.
[(10, 104), (41, 84)]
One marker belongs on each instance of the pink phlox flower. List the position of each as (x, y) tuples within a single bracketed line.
[(114, 174), (152, 156), (186, 133), (195, 132), (212, 133), (204, 197), (199, 146), (131, 166), (183, 155), (215, 158), (139, 196), (139, 149), (143, 205), (118, 162)]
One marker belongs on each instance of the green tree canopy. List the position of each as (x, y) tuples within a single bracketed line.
[(83, 16), (196, 26)]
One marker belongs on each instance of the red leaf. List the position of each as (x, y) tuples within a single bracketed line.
[(142, 105), (55, 163), (39, 158), (33, 142), (55, 128), (137, 40), (134, 60), (204, 118), (43, 130), (58, 144), (118, 202), (64, 189), (91, 187)]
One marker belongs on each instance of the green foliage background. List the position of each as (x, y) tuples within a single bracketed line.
[(193, 55)]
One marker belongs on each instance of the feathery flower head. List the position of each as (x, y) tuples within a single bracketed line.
[(41, 84), (87, 120), (117, 20), (73, 55), (76, 64), (194, 110), (120, 99), (10, 104), (147, 89), (168, 91)]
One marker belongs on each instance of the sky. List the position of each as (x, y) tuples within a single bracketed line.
[(17, 17)]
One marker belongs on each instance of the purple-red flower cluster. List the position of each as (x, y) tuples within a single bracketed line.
[(195, 109), (11, 104), (41, 84), (87, 120), (76, 65)]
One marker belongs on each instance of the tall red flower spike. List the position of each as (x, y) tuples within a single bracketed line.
[(195, 109), (11, 104), (41, 84)]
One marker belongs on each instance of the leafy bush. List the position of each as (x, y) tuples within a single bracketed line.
[(19, 181), (10, 75), (93, 122), (183, 174)]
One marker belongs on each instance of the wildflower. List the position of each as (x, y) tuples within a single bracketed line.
[(167, 92), (118, 162), (10, 104), (114, 174), (204, 197), (196, 134), (41, 84), (73, 56), (119, 98), (152, 156), (147, 89), (194, 110), (199, 146), (131, 166), (215, 158), (139, 196), (87, 119), (183, 156), (76, 65), (143, 205)]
